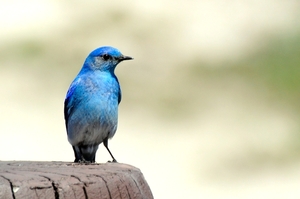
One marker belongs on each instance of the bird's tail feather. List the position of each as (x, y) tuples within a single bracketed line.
[(85, 153)]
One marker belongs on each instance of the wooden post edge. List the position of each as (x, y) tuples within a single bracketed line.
[(59, 180)]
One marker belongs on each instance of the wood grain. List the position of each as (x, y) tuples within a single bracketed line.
[(57, 180)]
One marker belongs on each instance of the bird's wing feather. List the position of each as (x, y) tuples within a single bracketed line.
[(119, 96), (119, 93), (71, 101)]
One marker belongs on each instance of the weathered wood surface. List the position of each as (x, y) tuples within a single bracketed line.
[(57, 180)]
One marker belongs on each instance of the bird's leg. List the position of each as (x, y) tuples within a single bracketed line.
[(105, 142)]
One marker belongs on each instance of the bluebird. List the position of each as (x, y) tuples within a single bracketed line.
[(91, 104)]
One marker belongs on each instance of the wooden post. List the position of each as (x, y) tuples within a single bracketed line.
[(57, 180)]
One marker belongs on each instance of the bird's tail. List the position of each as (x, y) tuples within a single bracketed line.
[(85, 153)]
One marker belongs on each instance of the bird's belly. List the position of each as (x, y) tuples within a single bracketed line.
[(93, 123), (96, 133)]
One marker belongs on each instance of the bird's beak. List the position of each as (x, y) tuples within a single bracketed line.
[(125, 58)]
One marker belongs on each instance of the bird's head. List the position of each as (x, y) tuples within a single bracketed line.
[(105, 58)]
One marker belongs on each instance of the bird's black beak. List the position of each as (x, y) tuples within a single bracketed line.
[(125, 58)]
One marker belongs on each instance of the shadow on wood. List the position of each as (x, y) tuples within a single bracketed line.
[(57, 180)]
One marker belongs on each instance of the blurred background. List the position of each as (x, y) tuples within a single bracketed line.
[(210, 105)]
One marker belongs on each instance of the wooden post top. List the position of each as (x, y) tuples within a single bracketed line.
[(57, 180)]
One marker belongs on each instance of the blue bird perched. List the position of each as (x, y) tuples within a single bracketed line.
[(91, 104)]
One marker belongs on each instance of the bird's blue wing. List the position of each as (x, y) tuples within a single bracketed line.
[(119, 93), (119, 96), (72, 100), (75, 96)]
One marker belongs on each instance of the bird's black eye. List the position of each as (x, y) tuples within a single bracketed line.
[(106, 57)]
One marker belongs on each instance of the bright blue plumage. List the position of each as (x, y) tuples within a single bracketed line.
[(91, 104)]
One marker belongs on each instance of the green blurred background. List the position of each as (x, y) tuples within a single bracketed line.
[(210, 105)]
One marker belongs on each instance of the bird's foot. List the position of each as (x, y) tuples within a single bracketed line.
[(85, 162), (113, 161)]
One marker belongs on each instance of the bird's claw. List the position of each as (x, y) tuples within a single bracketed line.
[(113, 161)]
